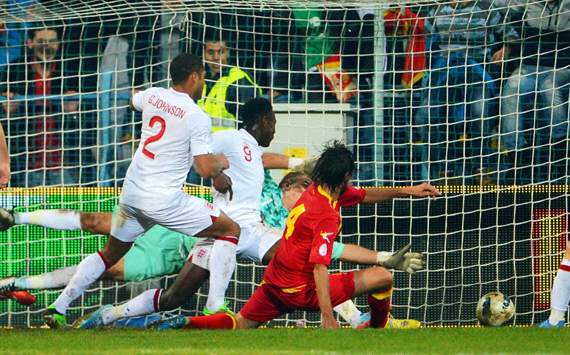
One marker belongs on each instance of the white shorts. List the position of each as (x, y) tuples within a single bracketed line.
[(254, 243), (187, 215)]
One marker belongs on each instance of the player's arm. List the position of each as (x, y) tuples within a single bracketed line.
[(280, 161), (324, 232), (207, 164), (403, 259), (137, 100), (379, 194), (321, 275)]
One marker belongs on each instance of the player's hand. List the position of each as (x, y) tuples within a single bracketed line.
[(223, 184), (329, 322), (223, 161), (402, 260), (423, 190)]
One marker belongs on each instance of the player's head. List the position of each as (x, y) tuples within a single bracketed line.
[(292, 186), (216, 53), (187, 72), (257, 117), (334, 167), (44, 43)]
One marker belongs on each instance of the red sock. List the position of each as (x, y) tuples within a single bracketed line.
[(214, 321), (379, 308)]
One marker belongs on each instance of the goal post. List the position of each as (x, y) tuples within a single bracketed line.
[(469, 95)]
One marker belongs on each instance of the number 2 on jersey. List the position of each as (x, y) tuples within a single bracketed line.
[(153, 121), (293, 217)]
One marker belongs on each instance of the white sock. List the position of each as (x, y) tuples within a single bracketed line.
[(348, 311), (88, 271), (145, 303), (560, 295), (222, 266), (55, 279), (57, 219)]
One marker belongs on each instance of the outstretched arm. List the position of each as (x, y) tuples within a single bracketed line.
[(280, 161), (401, 260), (379, 194)]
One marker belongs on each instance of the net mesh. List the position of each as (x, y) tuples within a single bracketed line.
[(470, 95)]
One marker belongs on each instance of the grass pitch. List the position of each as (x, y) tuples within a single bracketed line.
[(288, 341)]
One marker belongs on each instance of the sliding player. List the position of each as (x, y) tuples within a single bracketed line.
[(297, 276), (175, 134)]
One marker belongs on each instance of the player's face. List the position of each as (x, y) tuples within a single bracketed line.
[(267, 130), (198, 85), (290, 197), (216, 55), (44, 45)]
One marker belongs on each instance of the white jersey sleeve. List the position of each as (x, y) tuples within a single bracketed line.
[(138, 100), (200, 128)]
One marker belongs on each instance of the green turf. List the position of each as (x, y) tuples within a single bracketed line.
[(288, 341)]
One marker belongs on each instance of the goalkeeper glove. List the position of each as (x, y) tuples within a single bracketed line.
[(402, 260)]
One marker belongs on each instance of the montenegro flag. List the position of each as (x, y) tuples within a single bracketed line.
[(405, 22)]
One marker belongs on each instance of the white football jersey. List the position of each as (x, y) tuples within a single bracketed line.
[(246, 172), (174, 130)]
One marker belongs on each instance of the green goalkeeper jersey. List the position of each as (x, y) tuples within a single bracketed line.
[(273, 213)]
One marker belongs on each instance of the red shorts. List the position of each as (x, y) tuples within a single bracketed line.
[(269, 302)]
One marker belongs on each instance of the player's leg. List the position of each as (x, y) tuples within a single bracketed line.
[(195, 216), (377, 283), (61, 219), (188, 281), (560, 295), (126, 228), (190, 215), (263, 306), (158, 252), (56, 279)]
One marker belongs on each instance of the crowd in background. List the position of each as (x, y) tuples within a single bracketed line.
[(471, 91)]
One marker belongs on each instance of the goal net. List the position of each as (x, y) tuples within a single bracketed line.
[(469, 95)]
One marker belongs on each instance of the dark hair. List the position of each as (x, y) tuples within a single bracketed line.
[(334, 164), (294, 179), (183, 66), (254, 110), (216, 35), (42, 27)]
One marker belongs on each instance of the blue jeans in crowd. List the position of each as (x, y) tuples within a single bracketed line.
[(458, 100), (533, 94)]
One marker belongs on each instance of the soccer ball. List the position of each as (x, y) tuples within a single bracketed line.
[(494, 309)]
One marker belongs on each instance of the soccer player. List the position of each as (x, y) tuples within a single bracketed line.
[(560, 295), (175, 134), (297, 276)]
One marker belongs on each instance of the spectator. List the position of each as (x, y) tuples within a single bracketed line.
[(460, 89), (540, 83), (36, 120), (227, 86), (13, 34), (321, 56)]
